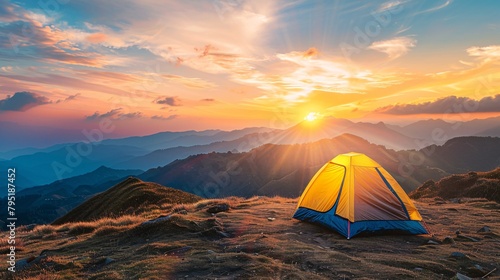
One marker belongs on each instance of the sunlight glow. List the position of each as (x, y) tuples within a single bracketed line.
[(311, 116)]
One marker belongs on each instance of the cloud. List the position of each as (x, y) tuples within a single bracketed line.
[(158, 117), (114, 114), (69, 98), (208, 100), (394, 47), (436, 8), (171, 101), (232, 37), (109, 114), (60, 80), (22, 101), (390, 5), (29, 39), (302, 72), (133, 115), (446, 105), (7, 11), (36, 36), (96, 38), (195, 83), (72, 97), (311, 52), (205, 50), (233, 40), (486, 54)]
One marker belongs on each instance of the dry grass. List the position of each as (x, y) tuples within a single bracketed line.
[(189, 246), (120, 221), (5, 246), (470, 185), (107, 230), (44, 229), (82, 228), (231, 201), (99, 227)]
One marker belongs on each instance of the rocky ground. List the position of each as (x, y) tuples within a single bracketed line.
[(257, 239)]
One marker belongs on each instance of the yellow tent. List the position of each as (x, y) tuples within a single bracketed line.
[(352, 194)]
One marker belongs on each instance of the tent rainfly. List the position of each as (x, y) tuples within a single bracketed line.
[(352, 194)]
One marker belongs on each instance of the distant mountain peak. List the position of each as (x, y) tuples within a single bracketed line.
[(103, 168)]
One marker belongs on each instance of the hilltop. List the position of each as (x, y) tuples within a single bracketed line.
[(256, 238), (472, 185), (44, 204), (132, 196)]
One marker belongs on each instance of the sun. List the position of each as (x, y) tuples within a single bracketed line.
[(312, 116)]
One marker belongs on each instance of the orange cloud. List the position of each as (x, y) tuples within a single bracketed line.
[(446, 105), (311, 52), (195, 83), (96, 38)]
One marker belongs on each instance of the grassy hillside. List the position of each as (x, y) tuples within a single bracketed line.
[(473, 184), (257, 239), (132, 196)]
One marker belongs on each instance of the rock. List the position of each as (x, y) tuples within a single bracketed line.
[(39, 258), (157, 220), (480, 268), (448, 240), (223, 234), (467, 237), (484, 229), (462, 277), (432, 242), (223, 207), (457, 232), (458, 255), (455, 200), (271, 219), (210, 252), (105, 261), (24, 263), (183, 212), (179, 251), (418, 269)]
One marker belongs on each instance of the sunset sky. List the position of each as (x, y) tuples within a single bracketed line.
[(152, 66)]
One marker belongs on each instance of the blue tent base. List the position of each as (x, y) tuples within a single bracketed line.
[(332, 221)]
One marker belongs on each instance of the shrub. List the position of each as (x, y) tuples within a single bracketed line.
[(106, 230), (82, 228), (44, 230)]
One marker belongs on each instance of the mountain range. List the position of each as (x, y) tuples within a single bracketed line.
[(43, 166), (269, 170)]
